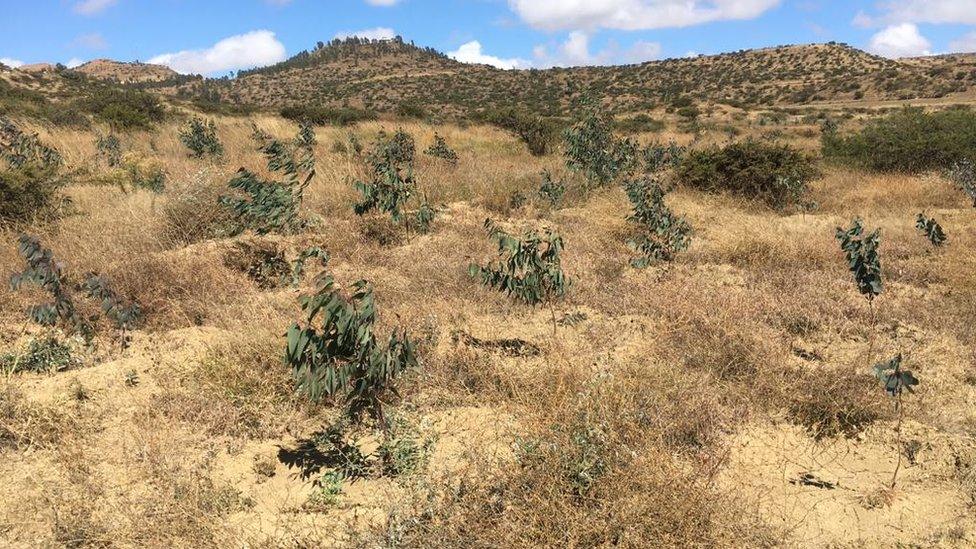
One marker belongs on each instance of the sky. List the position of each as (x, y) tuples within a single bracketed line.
[(217, 37)]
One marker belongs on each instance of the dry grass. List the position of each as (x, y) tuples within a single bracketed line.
[(621, 425)]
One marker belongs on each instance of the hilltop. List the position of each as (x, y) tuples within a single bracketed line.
[(382, 75), (126, 73)]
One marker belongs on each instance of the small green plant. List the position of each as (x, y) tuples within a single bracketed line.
[(334, 353), (424, 216), (963, 175), (658, 157), (593, 150), (896, 380), (529, 268), (931, 229), (43, 354), (30, 182), (109, 149), (131, 378), (124, 314), (298, 266), (43, 271), (273, 206), (393, 183), (200, 136), (552, 191), (329, 490), (862, 258), (662, 234), (440, 150)]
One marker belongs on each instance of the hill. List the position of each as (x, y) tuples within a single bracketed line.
[(126, 73), (382, 75)]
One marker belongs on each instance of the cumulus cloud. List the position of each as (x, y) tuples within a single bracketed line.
[(253, 49), (91, 7), (12, 63), (923, 11), (901, 40), (634, 14), (378, 33), (471, 52), (965, 43), (74, 62), (575, 51)]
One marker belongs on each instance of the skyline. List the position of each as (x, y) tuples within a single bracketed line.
[(223, 36)]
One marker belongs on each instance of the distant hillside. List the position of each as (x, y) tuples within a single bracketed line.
[(382, 75), (126, 73)]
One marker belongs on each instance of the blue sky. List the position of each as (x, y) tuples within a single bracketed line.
[(218, 36)]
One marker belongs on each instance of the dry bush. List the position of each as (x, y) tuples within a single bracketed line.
[(263, 262), (830, 402), (192, 212), (25, 424)]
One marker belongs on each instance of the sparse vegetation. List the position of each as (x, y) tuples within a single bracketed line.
[(931, 229), (661, 234), (593, 150), (200, 136), (863, 259)]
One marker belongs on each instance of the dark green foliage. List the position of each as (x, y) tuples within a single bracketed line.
[(43, 271), (411, 110), (273, 206), (529, 268), (662, 235), (30, 183), (397, 151), (124, 108), (910, 140), (44, 354), (124, 314), (862, 258), (200, 136), (641, 123), (19, 149), (149, 177), (930, 229), (335, 356), (424, 216), (440, 150), (393, 182), (593, 150), (963, 175), (551, 191), (109, 149), (298, 266), (894, 378), (538, 133), (775, 173), (325, 116), (658, 157)]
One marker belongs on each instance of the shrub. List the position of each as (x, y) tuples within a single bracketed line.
[(125, 108), (200, 136), (910, 140), (862, 258), (529, 268), (273, 206), (393, 183), (592, 149), (963, 175), (440, 150), (323, 116), (43, 354), (641, 123), (931, 229), (192, 212), (29, 177), (657, 157), (411, 110), (538, 133), (662, 234), (335, 355), (109, 149), (775, 173), (551, 191)]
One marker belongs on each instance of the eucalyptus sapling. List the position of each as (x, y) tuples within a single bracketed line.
[(529, 268), (931, 229), (896, 380), (662, 234)]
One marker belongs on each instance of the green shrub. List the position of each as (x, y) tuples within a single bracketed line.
[(661, 233), (641, 123), (393, 183), (538, 133), (440, 150), (200, 136), (592, 149), (910, 140), (931, 229), (125, 108), (862, 258), (109, 149), (411, 110), (335, 355), (775, 173), (323, 116), (963, 174), (30, 183), (43, 354)]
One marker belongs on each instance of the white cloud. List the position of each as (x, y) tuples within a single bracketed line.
[(383, 3), (926, 11), (471, 53), (378, 33), (91, 7), (634, 14), (74, 62), (902, 40), (93, 41), (965, 43), (12, 63), (575, 51), (253, 49)]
